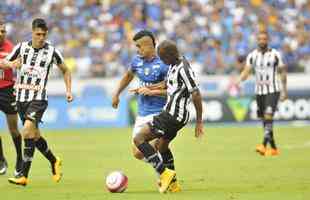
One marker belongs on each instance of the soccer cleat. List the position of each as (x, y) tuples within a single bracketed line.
[(165, 179), (174, 186), (56, 170), (3, 166), (272, 152), (261, 149), (19, 181)]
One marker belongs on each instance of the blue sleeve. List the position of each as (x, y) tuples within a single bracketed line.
[(133, 65), (164, 70)]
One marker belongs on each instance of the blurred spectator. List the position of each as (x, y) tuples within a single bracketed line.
[(95, 35)]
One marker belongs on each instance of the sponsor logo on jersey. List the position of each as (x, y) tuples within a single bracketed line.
[(28, 87)]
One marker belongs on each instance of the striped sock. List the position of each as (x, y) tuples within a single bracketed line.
[(152, 156)]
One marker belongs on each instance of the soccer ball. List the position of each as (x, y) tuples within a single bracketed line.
[(116, 182)]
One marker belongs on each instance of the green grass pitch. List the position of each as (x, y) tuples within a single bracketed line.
[(221, 166)]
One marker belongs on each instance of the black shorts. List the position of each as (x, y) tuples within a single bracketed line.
[(32, 110), (7, 100), (267, 104), (164, 125)]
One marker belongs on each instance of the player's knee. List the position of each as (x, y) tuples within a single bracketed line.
[(27, 133), (138, 139), (155, 144), (29, 130), (36, 137), (137, 154)]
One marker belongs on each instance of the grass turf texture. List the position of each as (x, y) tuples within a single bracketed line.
[(223, 165)]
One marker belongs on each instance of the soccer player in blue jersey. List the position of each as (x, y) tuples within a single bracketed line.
[(150, 70)]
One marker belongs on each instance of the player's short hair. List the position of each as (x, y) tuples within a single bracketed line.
[(265, 32), (170, 48), (143, 33), (39, 23)]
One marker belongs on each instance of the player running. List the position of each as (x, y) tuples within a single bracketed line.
[(34, 59)]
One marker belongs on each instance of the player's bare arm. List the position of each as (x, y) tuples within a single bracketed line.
[(160, 85), (197, 100), (126, 79), (283, 76), (67, 78), (244, 74), (157, 89), (149, 92), (15, 64)]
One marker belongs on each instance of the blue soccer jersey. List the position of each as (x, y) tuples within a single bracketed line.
[(149, 72)]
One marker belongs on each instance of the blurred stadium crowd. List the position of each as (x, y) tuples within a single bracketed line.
[(95, 35)]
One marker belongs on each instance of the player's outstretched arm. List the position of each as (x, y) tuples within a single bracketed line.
[(160, 85), (149, 92), (67, 78), (197, 100), (157, 89), (124, 82)]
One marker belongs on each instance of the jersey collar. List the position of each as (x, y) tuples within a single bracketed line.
[(44, 46)]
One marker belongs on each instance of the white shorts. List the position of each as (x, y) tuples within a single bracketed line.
[(140, 122)]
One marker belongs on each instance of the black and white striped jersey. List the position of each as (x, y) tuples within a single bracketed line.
[(32, 77), (181, 83), (266, 67)]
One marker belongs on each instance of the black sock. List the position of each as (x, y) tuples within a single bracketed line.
[(168, 159), (18, 147), (1, 151), (268, 131), (28, 155), (41, 144), (265, 140), (151, 156), (272, 142)]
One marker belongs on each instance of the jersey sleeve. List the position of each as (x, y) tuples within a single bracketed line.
[(188, 77), (279, 60), (164, 71), (133, 65), (57, 57), (15, 53), (249, 60)]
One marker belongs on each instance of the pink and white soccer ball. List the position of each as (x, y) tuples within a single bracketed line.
[(116, 181)]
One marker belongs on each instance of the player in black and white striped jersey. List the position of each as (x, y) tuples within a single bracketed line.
[(180, 84), (270, 74), (181, 87), (33, 61), (33, 75)]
